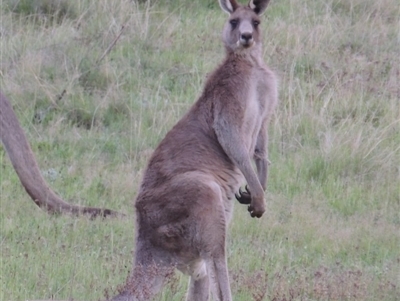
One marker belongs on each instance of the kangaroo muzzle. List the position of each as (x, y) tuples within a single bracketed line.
[(246, 38)]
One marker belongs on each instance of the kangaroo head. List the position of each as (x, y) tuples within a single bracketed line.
[(241, 31)]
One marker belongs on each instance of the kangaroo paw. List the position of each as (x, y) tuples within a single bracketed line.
[(244, 197)]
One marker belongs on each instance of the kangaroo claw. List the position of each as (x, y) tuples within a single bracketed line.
[(243, 197)]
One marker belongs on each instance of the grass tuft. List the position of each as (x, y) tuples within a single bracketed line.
[(44, 12)]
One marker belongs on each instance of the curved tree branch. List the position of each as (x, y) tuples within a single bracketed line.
[(27, 169)]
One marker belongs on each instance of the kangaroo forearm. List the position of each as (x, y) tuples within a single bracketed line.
[(238, 155), (252, 180), (262, 172)]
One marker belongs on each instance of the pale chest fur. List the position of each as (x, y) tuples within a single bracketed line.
[(255, 108)]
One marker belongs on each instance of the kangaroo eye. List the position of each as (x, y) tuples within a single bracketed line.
[(256, 23), (234, 22)]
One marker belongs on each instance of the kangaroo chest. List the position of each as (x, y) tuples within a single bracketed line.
[(255, 111)]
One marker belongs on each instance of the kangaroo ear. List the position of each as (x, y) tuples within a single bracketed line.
[(228, 6), (258, 6)]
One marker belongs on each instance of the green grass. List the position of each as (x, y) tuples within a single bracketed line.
[(332, 229)]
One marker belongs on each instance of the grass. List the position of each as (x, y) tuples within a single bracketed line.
[(332, 229)]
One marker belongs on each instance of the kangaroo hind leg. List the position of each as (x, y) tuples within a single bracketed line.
[(209, 216), (199, 282), (146, 280), (219, 278), (212, 228)]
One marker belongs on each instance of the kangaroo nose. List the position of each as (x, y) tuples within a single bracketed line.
[(246, 36)]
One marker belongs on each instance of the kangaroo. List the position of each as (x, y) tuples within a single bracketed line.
[(24, 162), (185, 200)]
